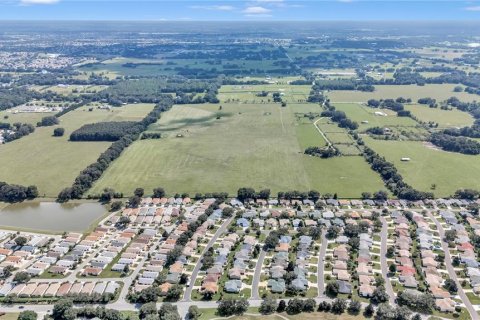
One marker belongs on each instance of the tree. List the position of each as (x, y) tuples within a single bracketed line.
[(228, 307), (139, 192), (27, 315), (147, 309), (380, 195), (332, 289), (369, 311), (48, 121), (264, 194), (21, 241), (281, 306), (366, 195), (158, 192), (227, 212), (21, 277), (451, 286), (134, 201), (392, 268), (58, 132), (379, 295), (268, 306), (294, 306), (193, 313), (450, 235), (60, 308), (174, 293), (168, 312), (332, 232), (385, 312), (116, 205), (402, 313), (339, 305), (354, 307), (309, 305)]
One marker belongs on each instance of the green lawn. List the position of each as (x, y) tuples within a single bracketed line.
[(240, 145), (52, 163), (449, 171)]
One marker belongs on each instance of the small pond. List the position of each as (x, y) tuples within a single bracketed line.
[(51, 216)]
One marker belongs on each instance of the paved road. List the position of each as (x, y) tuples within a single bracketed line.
[(188, 292), (257, 275), (451, 271), (321, 265), (383, 261)]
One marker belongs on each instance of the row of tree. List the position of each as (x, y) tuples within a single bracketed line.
[(94, 171), (455, 143), (16, 193), (392, 178), (106, 131)]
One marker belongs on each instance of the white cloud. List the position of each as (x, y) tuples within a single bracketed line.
[(216, 7), (38, 1), (256, 10), (474, 8)]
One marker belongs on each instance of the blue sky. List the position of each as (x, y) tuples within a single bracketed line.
[(315, 10)]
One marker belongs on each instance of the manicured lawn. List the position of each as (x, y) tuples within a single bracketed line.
[(448, 171), (52, 163), (249, 145)]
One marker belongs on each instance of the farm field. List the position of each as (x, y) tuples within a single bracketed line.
[(247, 93), (248, 145), (440, 92), (52, 163), (361, 113), (444, 118), (448, 171)]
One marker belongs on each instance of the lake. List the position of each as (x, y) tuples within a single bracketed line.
[(51, 216)]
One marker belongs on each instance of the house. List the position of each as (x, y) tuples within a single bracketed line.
[(242, 222), (233, 286), (344, 287)]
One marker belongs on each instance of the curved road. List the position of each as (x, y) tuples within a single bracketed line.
[(451, 271), (383, 261)]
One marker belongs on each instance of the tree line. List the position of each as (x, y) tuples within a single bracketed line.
[(94, 171), (392, 178), (455, 143), (16, 193), (106, 131)]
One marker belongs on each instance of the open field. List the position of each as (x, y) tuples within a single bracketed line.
[(52, 163), (360, 113), (249, 145), (440, 92), (449, 171), (247, 93), (444, 118)]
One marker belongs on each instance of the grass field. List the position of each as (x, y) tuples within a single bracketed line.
[(247, 93), (444, 118), (52, 163), (249, 145), (361, 113), (440, 92), (449, 171)]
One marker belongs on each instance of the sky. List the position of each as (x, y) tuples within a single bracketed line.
[(239, 10)]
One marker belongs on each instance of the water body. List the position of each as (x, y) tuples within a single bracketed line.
[(51, 216)]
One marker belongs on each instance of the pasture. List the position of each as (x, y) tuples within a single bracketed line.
[(440, 92), (444, 118), (448, 171), (52, 163), (248, 93), (206, 150)]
